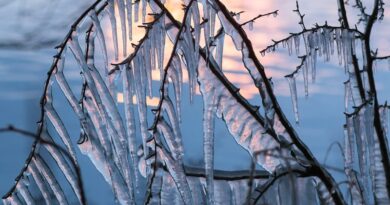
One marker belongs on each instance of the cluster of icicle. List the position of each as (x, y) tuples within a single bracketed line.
[(362, 156), (322, 41), (154, 172)]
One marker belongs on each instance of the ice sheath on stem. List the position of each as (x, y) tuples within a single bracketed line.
[(294, 98)]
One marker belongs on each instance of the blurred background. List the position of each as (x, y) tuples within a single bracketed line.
[(29, 30)]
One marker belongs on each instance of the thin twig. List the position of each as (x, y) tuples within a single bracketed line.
[(274, 13), (303, 59)]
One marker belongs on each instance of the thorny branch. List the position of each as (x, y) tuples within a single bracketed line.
[(162, 89), (50, 73), (312, 30), (370, 72), (301, 16), (345, 24), (38, 139), (316, 168)]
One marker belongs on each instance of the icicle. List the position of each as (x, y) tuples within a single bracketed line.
[(349, 144), (14, 200), (48, 175), (355, 187), (168, 107), (209, 109), (40, 183), (237, 15), (297, 39), (25, 193), (347, 93), (222, 192), (189, 62), (6, 201), (141, 101), (379, 176), (198, 194), (160, 45), (289, 46), (171, 139), (250, 25), (169, 193), (206, 25), (129, 13), (66, 90), (323, 194), (59, 126), (305, 74), (122, 15), (294, 97), (143, 10), (130, 119), (361, 141), (176, 74), (107, 106), (136, 10), (100, 34), (354, 87), (339, 45), (314, 65), (177, 172), (62, 164), (212, 21), (111, 14), (93, 148), (219, 49), (146, 73), (157, 186), (384, 116), (352, 37), (197, 29), (230, 30)]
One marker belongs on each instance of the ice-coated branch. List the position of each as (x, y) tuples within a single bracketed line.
[(98, 6), (38, 139), (317, 27), (316, 167), (168, 65), (159, 109), (383, 146), (344, 22)]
